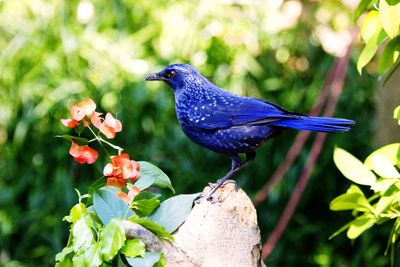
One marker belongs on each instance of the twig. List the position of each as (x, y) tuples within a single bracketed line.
[(336, 89), (300, 140)]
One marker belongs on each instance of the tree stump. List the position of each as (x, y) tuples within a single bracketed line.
[(220, 232)]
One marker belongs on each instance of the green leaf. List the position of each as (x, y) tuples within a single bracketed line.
[(133, 248), (174, 211), (391, 194), (383, 184), (108, 205), (382, 166), (77, 212), (352, 168), (396, 113), (147, 195), (112, 238), (151, 175), (351, 200), (370, 49), (390, 18), (145, 207), (370, 26), (389, 55), (359, 225), (79, 260), (79, 140), (390, 152), (63, 253), (162, 262), (149, 259), (93, 256), (96, 185), (153, 227), (82, 235), (362, 6)]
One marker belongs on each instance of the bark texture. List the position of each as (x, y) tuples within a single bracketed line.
[(220, 232)]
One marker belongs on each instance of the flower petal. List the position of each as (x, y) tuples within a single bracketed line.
[(70, 123)]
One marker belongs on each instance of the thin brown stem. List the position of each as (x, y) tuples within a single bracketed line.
[(336, 89), (301, 138)]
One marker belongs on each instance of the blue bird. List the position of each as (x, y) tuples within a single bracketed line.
[(231, 124)]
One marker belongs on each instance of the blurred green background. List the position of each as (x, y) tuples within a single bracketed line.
[(55, 53)]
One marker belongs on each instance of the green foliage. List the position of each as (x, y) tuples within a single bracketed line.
[(380, 28), (380, 171), (152, 176), (173, 211), (108, 206)]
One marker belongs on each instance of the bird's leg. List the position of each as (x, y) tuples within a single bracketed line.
[(237, 165)]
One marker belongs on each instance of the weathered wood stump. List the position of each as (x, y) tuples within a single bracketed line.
[(220, 232)]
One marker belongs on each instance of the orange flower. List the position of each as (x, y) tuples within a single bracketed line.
[(82, 109), (110, 126), (70, 123), (132, 192), (83, 154), (120, 183), (122, 168), (95, 119), (79, 111)]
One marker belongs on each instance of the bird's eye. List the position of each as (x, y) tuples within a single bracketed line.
[(171, 74)]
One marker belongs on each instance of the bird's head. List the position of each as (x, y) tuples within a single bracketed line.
[(177, 76)]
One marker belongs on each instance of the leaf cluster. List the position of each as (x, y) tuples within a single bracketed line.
[(97, 235), (380, 29), (379, 171)]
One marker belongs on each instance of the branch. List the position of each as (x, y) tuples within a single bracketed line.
[(300, 140), (336, 89), (134, 230)]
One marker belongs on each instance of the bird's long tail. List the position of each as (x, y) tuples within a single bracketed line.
[(318, 124)]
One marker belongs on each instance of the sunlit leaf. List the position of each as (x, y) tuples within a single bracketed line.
[(352, 200), (149, 259), (382, 166), (79, 260), (352, 168), (82, 235), (108, 205), (390, 18), (77, 212), (63, 253), (174, 211), (133, 248), (362, 6), (370, 26), (359, 225), (112, 238), (396, 113), (390, 152), (391, 194), (93, 256), (370, 49), (383, 184)]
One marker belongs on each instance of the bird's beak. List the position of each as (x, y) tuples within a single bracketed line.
[(154, 77)]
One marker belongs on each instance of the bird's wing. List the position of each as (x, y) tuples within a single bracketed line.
[(220, 113)]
